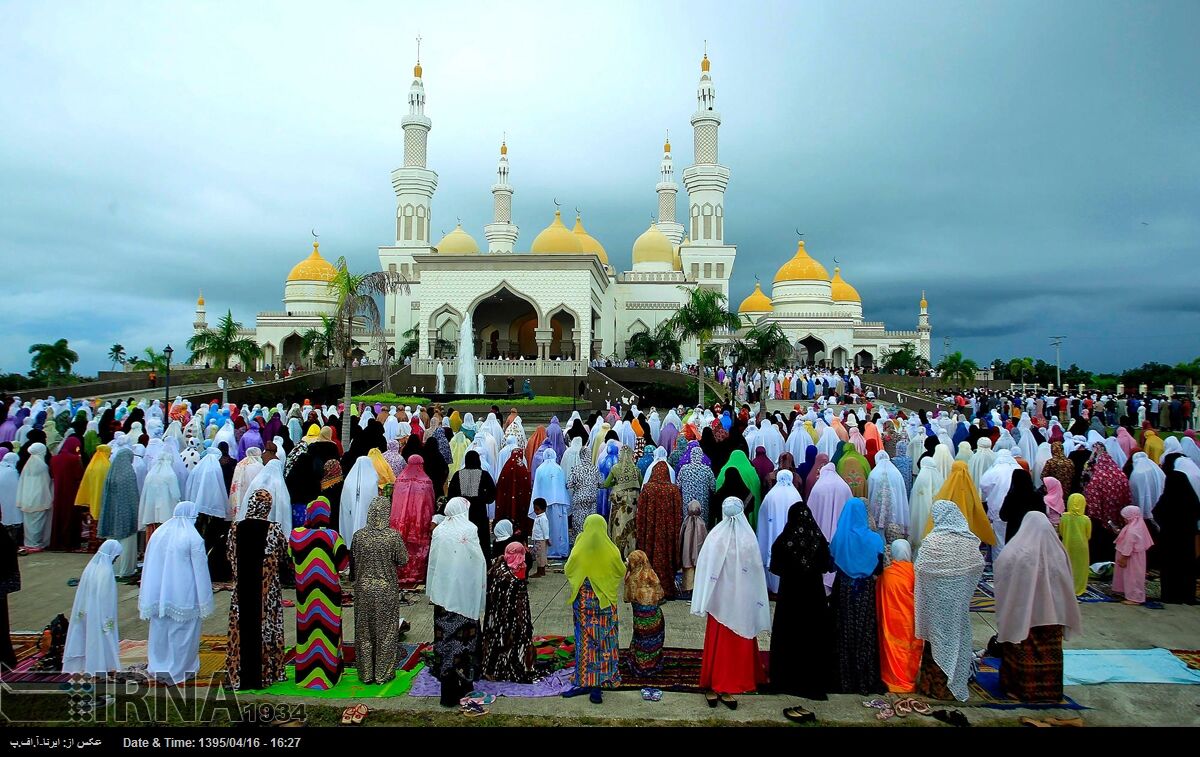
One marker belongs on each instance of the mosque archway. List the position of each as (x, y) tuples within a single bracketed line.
[(810, 350), (514, 319), (564, 334), (840, 357), (864, 359), (290, 350), (268, 357)]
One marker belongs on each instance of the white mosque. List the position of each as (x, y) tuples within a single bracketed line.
[(561, 302)]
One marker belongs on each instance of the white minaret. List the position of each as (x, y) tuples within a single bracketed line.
[(924, 330), (414, 184), (201, 322), (667, 188), (706, 180), (501, 233)]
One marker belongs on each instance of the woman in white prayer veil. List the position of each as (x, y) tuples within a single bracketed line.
[(1005, 441), (887, 498), (491, 427), (391, 427), (772, 517), (993, 488), (626, 434), (660, 457), (159, 495), (916, 443), (93, 638), (798, 442), (226, 434), (270, 478), (206, 486), (487, 456), (243, 473), (571, 457), (35, 498), (359, 488), (964, 453), (828, 443), (510, 445), (943, 459), (1044, 453), (920, 502), (1146, 482), (1027, 443), (769, 437), (655, 425), (1114, 451), (982, 460), (176, 595), (1190, 449)]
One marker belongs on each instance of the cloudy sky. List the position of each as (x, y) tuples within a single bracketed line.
[(1035, 167)]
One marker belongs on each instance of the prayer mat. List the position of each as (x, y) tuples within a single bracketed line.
[(1095, 666), (984, 599), (348, 686), (985, 686), (552, 685), (679, 671), (1190, 656)]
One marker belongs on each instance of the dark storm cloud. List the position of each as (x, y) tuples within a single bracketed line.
[(1031, 166)]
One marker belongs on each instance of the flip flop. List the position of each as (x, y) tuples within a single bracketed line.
[(72, 582), (885, 713), (903, 708), (1032, 722), (475, 710), (877, 704), (348, 716), (919, 707), (1076, 722)]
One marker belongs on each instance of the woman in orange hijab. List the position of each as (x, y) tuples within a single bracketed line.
[(899, 648)]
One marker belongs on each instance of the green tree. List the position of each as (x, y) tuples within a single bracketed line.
[(763, 346), (52, 362), (999, 369), (1187, 373), (660, 345), (1019, 368), (116, 354), (958, 371), (704, 314), (1073, 374), (149, 360), (218, 345), (318, 344), (356, 307), (903, 360)]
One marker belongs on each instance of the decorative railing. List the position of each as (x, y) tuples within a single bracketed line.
[(516, 368)]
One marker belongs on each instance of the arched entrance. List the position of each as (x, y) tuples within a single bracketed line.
[(810, 350), (290, 350), (563, 334), (512, 317), (864, 359), (840, 357)]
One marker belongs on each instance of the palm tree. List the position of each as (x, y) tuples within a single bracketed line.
[(218, 345), (1019, 366), (763, 346), (149, 360), (355, 294), (52, 361), (116, 354), (956, 369), (318, 344), (658, 345), (703, 315), (903, 360)]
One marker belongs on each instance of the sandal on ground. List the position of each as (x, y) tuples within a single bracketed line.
[(288, 603), (728, 701), (1032, 722), (876, 703), (885, 713), (953, 717), (22, 552), (919, 707), (712, 698), (360, 714), (348, 716), (799, 715), (72, 582), (903, 708), (475, 710), (1075, 722)]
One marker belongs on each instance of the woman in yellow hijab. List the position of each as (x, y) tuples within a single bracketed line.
[(91, 491), (961, 490), (382, 468), (1152, 445), (314, 433), (1075, 528), (595, 572), (455, 421)]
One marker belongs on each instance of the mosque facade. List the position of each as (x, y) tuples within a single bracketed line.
[(560, 302)]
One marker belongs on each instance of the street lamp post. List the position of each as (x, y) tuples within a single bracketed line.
[(168, 352), (574, 385)]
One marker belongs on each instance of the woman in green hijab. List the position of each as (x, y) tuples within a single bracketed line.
[(1075, 528), (749, 477)]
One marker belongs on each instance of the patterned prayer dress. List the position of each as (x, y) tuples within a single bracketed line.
[(625, 482), (697, 482), (857, 634), (658, 522), (318, 553), (583, 484), (456, 649), (597, 648), (1032, 671), (256, 549), (378, 552), (508, 652), (649, 632)]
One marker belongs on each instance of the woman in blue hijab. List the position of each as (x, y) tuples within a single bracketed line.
[(857, 557)]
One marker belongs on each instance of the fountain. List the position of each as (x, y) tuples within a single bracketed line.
[(464, 382), (441, 378)]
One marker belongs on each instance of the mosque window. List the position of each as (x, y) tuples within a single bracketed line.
[(408, 227), (720, 230), (708, 227), (695, 270), (720, 269), (708, 270)]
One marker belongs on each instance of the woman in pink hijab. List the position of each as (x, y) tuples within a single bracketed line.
[(857, 440), (1055, 506), (1035, 610), (1125, 439), (1129, 576), (412, 515)]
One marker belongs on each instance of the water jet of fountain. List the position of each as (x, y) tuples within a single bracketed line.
[(464, 381)]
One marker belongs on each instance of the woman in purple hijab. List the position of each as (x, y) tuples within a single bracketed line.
[(555, 439), (252, 438)]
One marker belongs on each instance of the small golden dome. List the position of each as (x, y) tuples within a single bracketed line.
[(677, 261), (757, 302), (556, 238), (313, 268), (841, 291), (924, 304), (653, 247), (801, 268), (588, 242), (417, 70), (458, 242), (200, 299), (704, 64), (503, 148), (667, 145)]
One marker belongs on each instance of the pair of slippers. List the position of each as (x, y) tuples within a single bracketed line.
[(898, 708), (355, 715), (713, 698), (472, 708), (799, 715), (1075, 722)]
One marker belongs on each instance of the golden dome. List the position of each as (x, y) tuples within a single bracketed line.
[(667, 145), (588, 242), (704, 64), (200, 299), (924, 304), (503, 148), (556, 238), (757, 302), (313, 268), (458, 242), (801, 268), (417, 70), (842, 292), (653, 247)]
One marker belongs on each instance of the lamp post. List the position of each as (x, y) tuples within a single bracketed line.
[(168, 352), (574, 385)]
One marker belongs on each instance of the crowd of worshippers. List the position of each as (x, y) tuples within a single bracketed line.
[(812, 383), (1133, 410), (725, 508)]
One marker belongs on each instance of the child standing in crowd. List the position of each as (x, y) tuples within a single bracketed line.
[(1129, 576), (541, 536)]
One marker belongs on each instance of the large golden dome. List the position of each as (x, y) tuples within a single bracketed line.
[(841, 291), (313, 268), (588, 242), (653, 247), (556, 238), (801, 268), (757, 302), (458, 242)]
